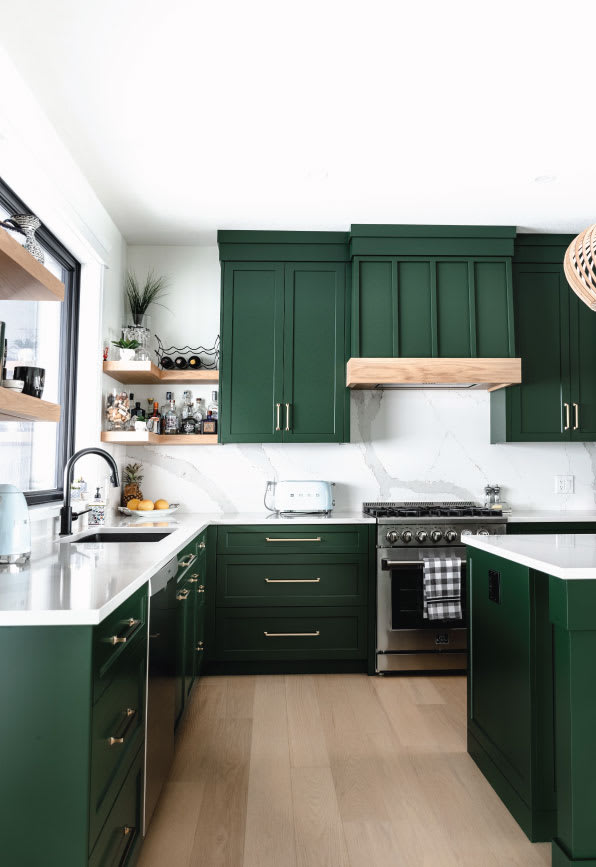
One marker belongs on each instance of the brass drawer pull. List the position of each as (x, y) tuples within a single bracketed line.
[(201, 545), (122, 639), (288, 416), (193, 579), (291, 634), (130, 835), (278, 416), (182, 564), (119, 739), (292, 580), (316, 539), (200, 646), (567, 420), (184, 594), (576, 408), (201, 588)]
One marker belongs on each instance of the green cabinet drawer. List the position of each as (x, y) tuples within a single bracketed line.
[(117, 731), (120, 840), (114, 637), (291, 633), (253, 580), (291, 539)]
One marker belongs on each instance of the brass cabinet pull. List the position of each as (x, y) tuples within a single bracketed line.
[(567, 420), (201, 588), (200, 647), (182, 564), (278, 416), (122, 639), (576, 408), (291, 634), (292, 580), (193, 579), (184, 594), (119, 739), (130, 835), (287, 416), (316, 539), (201, 545)]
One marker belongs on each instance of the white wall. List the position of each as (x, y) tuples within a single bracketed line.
[(405, 445), (35, 163)]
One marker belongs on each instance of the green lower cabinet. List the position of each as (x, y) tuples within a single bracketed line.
[(510, 698), (288, 539), (121, 837), (291, 633)]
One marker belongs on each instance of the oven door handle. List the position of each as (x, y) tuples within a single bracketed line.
[(391, 564)]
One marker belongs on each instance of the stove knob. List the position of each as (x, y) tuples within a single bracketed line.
[(392, 537), (421, 535), (483, 533), (450, 536), (436, 535), (406, 536)]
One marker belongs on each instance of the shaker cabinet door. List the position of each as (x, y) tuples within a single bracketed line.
[(583, 369), (314, 352), (252, 358)]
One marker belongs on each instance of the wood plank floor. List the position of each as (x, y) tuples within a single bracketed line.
[(330, 771)]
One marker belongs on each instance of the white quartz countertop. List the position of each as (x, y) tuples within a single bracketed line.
[(566, 555), (552, 516), (66, 583)]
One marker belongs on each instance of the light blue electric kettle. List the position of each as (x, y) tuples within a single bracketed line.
[(15, 529)]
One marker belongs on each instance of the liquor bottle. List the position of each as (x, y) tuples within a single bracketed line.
[(187, 407), (209, 425), (180, 363), (188, 425), (212, 407), (139, 411), (199, 415), (171, 419), (194, 362), (153, 424), (164, 408)]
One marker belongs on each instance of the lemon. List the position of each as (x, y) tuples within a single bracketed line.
[(133, 504), (145, 506), (162, 504)]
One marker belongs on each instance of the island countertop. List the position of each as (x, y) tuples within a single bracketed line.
[(569, 556), (66, 583)]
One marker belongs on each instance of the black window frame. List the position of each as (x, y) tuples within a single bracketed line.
[(69, 331)]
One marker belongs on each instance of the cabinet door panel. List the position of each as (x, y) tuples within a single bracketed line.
[(414, 310), (314, 356), (453, 310), (252, 359), (493, 303), (583, 368), (374, 322), (542, 320)]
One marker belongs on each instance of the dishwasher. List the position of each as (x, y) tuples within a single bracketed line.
[(161, 671)]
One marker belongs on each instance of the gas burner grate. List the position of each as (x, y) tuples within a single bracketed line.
[(465, 509)]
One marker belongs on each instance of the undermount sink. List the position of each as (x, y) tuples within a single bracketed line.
[(124, 536)]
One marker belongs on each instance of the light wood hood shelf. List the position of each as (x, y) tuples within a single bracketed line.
[(479, 373), (147, 373), (23, 278), (147, 438), (15, 406)]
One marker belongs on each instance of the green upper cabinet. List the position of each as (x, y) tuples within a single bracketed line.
[(432, 291), (283, 337), (556, 338)]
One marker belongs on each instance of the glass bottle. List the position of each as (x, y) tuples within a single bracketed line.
[(153, 423), (139, 411), (187, 407), (171, 419), (117, 410), (209, 425), (212, 407), (199, 414), (194, 362)]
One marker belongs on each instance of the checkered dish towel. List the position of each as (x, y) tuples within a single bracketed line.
[(441, 588)]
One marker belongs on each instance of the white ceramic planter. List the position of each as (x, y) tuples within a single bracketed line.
[(127, 354)]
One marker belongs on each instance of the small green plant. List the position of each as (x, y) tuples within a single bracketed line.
[(140, 298), (126, 344)]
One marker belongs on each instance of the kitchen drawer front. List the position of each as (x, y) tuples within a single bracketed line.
[(115, 636), (291, 633), (292, 539), (188, 558), (119, 843), (339, 579), (117, 732)]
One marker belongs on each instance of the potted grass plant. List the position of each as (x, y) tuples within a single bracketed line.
[(141, 296)]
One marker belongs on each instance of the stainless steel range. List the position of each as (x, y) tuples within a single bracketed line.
[(406, 534)]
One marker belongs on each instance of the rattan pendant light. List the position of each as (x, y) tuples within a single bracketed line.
[(580, 266)]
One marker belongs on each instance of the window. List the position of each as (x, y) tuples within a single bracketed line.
[(44, 334)]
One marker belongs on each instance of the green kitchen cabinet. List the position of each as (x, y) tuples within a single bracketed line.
[(556, 339), (71, 786), (510, 688), (283, 339), (432, 291), (190, 620)]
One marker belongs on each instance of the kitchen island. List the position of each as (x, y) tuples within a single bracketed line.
[(532, 683)]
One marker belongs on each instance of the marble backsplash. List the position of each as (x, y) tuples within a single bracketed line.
[(405, 445)]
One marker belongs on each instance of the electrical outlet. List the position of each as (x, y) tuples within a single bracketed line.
[(564, 484)]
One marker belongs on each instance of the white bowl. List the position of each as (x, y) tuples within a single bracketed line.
[(14, 384), (152, 514)]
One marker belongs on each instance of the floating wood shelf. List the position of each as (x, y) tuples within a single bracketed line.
[(147, 438), (23, 278), (479, 373), (15, 406), (147, 373)]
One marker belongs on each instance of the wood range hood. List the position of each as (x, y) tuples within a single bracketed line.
[(393, 373)]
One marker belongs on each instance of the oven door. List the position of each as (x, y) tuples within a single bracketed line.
[(401, 625)]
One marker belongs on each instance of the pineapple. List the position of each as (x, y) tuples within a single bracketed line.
[(132, 479)]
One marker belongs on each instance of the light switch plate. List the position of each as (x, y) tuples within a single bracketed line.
[(564, 484)]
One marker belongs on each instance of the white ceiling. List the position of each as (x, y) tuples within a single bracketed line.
[(192, 116)]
